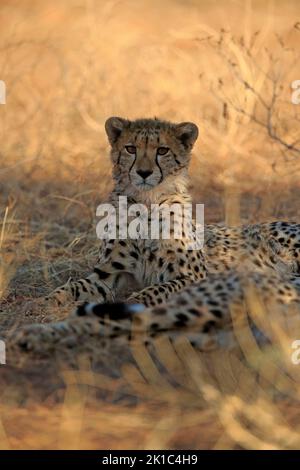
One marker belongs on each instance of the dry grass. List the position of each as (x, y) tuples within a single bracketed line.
[(226, 65)]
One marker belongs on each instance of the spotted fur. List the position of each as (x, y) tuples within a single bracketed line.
[(150, 161), (203, 313), (159, 268)]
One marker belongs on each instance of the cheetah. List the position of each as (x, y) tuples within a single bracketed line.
[(150, 161), (202, 312), (171, 287)]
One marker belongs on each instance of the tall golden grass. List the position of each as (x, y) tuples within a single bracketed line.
[(68, 66)]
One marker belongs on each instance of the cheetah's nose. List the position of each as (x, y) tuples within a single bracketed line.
[(144, 173)]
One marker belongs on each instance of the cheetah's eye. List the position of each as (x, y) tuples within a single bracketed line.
[(130, 149), (162, 150)]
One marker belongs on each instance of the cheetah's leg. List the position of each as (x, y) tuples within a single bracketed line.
[(189, 270), (120, 320), (159, 293), (76, 333), (116, 264), (107, 321)]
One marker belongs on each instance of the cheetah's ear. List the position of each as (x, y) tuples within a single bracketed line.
[(114, 127), (187, 133)]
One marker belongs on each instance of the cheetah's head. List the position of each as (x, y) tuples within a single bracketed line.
[(147, 152)]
